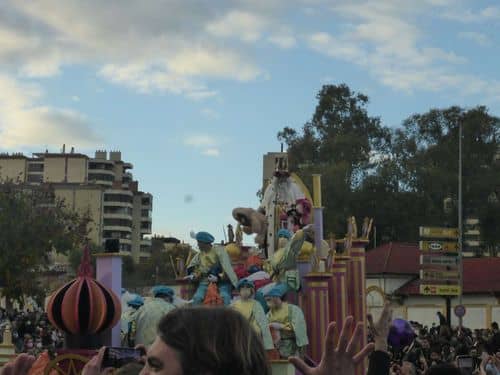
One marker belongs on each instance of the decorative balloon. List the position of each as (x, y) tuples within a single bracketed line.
[(84, 306), (400, 334)]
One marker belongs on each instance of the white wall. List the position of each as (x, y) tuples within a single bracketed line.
[(482, 309)]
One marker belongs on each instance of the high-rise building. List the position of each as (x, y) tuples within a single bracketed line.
[(101, 187)]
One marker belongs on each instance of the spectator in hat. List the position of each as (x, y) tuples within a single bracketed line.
[(253, 312), (288, 323), (128, 322), (210, 258), (149, 315)]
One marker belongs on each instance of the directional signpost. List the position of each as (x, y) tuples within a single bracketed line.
[(440, 263), (433, 260), (439, 246), (439, 276), (437, 232), (439, 290)]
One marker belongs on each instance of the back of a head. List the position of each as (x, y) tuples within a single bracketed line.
[(444, 369), (214, 340)]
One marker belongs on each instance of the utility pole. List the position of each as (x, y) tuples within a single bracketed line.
[(460, 226)]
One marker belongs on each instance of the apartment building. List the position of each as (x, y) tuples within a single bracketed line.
[(101, 186)]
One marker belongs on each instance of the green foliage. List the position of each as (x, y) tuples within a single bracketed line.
[(398, 176), (32, 224)]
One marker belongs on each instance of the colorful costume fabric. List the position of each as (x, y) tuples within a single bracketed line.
[(147, 319), (283, 263), (293, 335), (202, 265), (254, 313)]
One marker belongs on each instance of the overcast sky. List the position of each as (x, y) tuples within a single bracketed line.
[(194, 92)]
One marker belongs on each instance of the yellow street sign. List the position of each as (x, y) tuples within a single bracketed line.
[(438, 275), (439, 260), (439, 290), (437, 232), (439, 246)]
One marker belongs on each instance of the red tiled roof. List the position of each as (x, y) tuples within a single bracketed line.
[(481, 275), (393, 258)]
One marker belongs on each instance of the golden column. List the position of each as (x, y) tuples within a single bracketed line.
[(356, 275)]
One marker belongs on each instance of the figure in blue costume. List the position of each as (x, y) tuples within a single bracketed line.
[(150, 314), (253, 312), (289, 321), (128, 322), (211, 264)]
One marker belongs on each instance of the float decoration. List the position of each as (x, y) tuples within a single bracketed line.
[(84, 306)]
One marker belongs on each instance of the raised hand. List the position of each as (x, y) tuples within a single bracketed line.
[(380, 329), (340, 360), (19, 366), (93, 367)]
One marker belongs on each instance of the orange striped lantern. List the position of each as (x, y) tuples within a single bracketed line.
[(84, 306)]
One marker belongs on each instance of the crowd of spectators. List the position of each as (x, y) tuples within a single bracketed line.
[(475, 351), (31, 331)]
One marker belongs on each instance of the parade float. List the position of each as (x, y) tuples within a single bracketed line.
[(329, 283)]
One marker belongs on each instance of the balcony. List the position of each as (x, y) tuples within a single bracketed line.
[(119, 215), (117, 228), (119, 198), (146, 242), (101, 164)]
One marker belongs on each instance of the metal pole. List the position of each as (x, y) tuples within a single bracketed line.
[(460, 227)]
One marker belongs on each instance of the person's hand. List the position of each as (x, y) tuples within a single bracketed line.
[(309, 231), (380, 330), (189, 277), (276, 325), (212, 278), (19, 366), (93, 367), (142, 348), (339, 360)]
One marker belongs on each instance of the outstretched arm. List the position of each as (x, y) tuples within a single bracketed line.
[(341, 359)]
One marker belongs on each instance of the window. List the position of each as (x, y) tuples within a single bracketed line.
[(35, 167), (118, 198), (35, 178), (117, 210), (117, 222), (101, 177)]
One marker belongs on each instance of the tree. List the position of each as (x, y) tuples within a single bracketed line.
[(33, 223), (341, 142), (400, 176)]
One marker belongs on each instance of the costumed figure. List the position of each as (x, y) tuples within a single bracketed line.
[(287, 323), (285, 204), (128, 323), (253, 311), (150, 314), (282, 265), (203, 264)]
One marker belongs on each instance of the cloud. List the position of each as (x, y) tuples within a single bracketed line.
[(75, 98), (244, 25), (200, 140), (284, 41), (476, 37), (490, 13), (383, 39), (211, 152), (208, 145), (175, 46), (210, 113), (24, 123)]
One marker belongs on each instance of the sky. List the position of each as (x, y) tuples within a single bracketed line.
[(193, 93)]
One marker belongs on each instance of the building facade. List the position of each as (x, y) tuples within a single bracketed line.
[(392, 271), (100, 186)]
